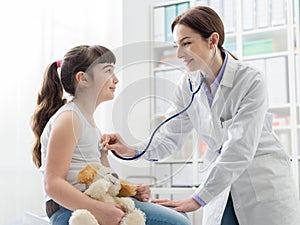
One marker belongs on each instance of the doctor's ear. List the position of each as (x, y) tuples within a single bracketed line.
[(214, 39)]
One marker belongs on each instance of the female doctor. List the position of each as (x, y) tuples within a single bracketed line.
[(250, 180)]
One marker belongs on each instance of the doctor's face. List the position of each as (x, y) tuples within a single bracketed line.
[(192, 48)]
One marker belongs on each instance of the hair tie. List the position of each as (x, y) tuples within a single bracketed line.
[(58, 63)]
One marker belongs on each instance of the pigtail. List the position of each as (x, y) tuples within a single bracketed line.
[(49, 100), (50, 96)]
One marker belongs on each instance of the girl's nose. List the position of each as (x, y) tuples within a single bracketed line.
[(115, 79)]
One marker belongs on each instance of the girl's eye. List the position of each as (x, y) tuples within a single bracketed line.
[(109, 71)]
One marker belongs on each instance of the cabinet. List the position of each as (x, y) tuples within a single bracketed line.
[(264, 33)]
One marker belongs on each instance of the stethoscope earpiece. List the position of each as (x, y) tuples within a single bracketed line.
[(173, 116)]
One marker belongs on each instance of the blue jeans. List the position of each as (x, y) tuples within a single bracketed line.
[(61, 216), (229, 217), (155, 214)]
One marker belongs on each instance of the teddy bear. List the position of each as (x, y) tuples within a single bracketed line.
[(104, 185)]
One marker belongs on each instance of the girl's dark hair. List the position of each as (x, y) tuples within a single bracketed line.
[(203, 20), (50, 97)]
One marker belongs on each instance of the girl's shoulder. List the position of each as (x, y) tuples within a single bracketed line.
[(68, 112)]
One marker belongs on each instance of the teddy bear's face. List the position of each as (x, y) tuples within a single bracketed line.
[(111, 177), (92, 173)]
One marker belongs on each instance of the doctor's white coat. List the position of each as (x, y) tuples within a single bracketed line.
[(252, 165)]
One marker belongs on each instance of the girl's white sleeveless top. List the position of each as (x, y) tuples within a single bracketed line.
[(86, 151)]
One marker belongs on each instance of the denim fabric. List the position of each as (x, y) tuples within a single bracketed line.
[(229, 217), (61, 216), (157, 214)]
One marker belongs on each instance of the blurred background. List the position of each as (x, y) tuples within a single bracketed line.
[(35, 33)]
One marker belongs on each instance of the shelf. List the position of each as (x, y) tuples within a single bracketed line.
[(268, 55), (282, 128), (230, 35), (272, 48), (280, 107), (265, 30), (266, 41)]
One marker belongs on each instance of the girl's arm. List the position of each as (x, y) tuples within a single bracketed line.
[(62, 141)]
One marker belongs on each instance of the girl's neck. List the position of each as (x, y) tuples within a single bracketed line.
[(86, 107)]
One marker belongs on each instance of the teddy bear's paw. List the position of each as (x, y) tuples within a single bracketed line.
[(136, 217), (82, 217)]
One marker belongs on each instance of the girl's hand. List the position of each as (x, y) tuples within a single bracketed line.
[(108, 213), (185, 205), (143, 193)]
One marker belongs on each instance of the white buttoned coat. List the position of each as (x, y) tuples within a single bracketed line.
[(252, 165)]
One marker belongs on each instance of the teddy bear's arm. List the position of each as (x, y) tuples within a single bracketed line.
[(127, 189)]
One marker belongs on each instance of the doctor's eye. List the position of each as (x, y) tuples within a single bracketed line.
[(185, 44)]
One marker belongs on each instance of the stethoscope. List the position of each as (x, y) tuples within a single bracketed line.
[(203, 77)]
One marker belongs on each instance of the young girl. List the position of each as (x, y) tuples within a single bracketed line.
[(67, 138)]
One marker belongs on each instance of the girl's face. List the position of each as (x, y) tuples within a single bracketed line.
[(193, 49), (106, 80)]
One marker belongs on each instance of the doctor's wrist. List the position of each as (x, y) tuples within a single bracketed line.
[(131, 152), (198, 200)]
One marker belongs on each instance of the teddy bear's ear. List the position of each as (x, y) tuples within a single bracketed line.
[(87, 174)]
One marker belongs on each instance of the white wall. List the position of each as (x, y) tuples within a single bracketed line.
[(33, 34), (131, 108)]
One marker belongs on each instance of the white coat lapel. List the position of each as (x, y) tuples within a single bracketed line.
[(228, 78)]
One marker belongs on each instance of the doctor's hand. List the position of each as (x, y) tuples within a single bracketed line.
[(185, 205), (116, 143)]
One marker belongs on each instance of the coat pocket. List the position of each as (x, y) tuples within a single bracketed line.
[(271, 177), (224, 125)]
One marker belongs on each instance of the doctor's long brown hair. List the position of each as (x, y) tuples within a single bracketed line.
[(50, 97), (204, 21)]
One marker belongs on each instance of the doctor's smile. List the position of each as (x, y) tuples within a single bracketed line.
[(183, 136), (243, 151)]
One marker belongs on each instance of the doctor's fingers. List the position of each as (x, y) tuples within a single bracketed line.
[(109, 139), (165, 202), (119, 149), (187, 205), (105, 139)]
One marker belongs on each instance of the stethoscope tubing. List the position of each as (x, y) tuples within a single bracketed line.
[(171, 117), (164, 122)]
